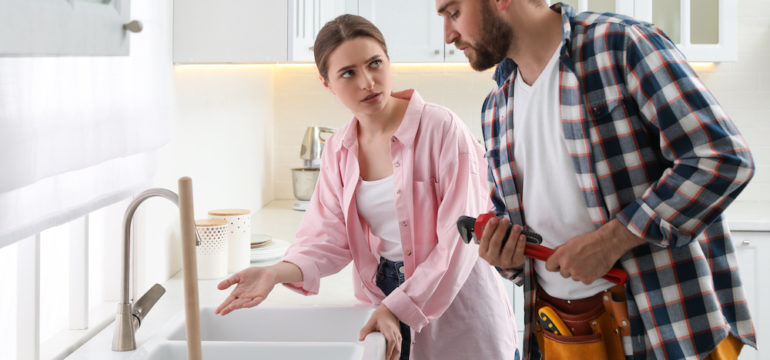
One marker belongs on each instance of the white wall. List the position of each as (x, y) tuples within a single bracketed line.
[(222, 139)]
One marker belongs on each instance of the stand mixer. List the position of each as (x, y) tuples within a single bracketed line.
[(304, 179)]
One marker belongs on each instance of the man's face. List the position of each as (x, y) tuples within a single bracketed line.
[(473, 27)]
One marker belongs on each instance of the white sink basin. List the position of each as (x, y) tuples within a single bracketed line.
[(320, 332), (173, 350), (336, 324)]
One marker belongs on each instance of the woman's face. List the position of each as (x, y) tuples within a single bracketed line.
[(359, 75)]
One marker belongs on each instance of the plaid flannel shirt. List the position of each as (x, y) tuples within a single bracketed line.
[(651, 147)]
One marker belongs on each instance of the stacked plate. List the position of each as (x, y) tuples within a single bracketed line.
[(264, 247)]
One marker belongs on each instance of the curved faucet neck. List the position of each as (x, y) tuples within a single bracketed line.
[(127, 220)]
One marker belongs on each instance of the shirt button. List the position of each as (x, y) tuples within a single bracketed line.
[(397, 164), (404, 224), (398, 192), (401, 269), (409, 253), (393, 139)]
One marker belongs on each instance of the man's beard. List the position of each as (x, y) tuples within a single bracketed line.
[(496, 38)]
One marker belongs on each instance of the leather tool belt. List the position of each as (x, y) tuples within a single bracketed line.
[(589, 328)]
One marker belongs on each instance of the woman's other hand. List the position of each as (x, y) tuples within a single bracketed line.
[(385, 322), (253, 286)]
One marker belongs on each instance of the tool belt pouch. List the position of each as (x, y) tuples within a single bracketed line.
[(594, 323)]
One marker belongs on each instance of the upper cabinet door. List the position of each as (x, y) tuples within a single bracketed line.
[(230, 31), (451, 54), (306, 18), (412, 29), (705, 30), (625, 7), (64, 27)]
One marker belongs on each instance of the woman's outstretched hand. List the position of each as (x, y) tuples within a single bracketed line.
[(253, 286), (385, 322)]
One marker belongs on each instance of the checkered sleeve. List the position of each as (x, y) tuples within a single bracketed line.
[(500, 210), (708, 160)]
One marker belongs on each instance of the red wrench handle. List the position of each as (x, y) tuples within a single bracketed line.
[(540, 252)]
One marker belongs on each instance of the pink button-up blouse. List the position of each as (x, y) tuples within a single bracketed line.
[(439, 173)]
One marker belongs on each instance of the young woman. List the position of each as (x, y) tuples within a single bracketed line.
[(393, 182)]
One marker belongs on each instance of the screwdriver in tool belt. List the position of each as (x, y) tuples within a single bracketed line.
[(550, 320)]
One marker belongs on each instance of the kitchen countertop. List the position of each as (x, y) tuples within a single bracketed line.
[(276, 219), (748, 216)]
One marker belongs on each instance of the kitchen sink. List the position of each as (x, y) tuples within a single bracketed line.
[(315, 323), (317, 332), (173, 350)]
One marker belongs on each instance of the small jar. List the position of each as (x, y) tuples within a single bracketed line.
[(212, 251)]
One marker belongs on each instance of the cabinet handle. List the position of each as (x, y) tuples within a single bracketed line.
[(310, 48), (452, 52), (135, 26), (746, 243), (436, 52)]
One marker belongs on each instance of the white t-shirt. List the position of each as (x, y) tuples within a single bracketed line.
[(552, 202), (377, 206)]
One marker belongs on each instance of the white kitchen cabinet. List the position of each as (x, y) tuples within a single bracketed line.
[(753, 251), (625, 7), (413, 30), (245, 31), (64, 28), (306, 18), (230, 31), (705, 30)]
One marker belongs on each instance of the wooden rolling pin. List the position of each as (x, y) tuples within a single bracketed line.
[(189, 270)]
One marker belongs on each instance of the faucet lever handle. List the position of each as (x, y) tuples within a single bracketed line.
[(145, 304)]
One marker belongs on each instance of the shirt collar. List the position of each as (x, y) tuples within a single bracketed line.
[(407, 130), (507, 67), (567, 13)]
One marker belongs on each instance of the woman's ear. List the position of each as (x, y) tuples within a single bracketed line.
[(325, 84)]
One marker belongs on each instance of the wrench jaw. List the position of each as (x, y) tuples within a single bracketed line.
[(465, 225)]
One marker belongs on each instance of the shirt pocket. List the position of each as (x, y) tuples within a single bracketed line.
[(603, 112), (613, 119)]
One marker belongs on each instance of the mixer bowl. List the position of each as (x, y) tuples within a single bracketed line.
[(303, 181)]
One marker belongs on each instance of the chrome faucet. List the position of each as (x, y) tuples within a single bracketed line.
[(129, 317)]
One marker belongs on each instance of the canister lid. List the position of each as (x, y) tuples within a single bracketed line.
[(229, 212), (210, 222)]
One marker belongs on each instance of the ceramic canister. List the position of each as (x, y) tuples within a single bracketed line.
[(212, 251), (239, 236)]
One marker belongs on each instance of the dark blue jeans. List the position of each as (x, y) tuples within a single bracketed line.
[(389, 276)]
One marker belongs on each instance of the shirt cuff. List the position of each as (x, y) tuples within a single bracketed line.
[(399, 303), (516, 276), (642, 220), (311, 281)]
